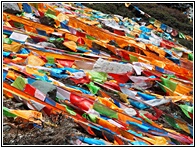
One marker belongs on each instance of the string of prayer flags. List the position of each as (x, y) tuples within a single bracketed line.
[(118, 87)]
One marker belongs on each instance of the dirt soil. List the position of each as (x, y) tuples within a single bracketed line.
[(20, 133)]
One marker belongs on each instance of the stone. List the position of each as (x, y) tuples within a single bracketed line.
[(6, 128)]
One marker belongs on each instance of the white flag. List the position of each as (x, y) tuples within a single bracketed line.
[(18, 37)]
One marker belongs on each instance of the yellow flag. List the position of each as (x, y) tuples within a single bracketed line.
[(157, 24), (33, 71), (183, 89), (61, 17), (189, 38), (124, 97), (35, 61), (20, 6), (71, 45), (159, 140), (127, 4), (183, 126), (109, 104), (13, 47), (30, 115)]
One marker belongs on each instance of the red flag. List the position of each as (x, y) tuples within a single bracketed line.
[(163, 44), (121, 78), (119, 32), (187, 137), (41, 13), (80, 102), (125, 55), (174, 32), (167, 44), (83, 80), (29, 89), (158, 112), (90, 131), (80, 41), (80, 34), (118, 140), (150, 116), (66, 63), (191, 115), (38, 39), (47, 110), (43, 58), (112, 85), (11, 23)]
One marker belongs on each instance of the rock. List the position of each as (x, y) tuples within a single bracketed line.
[(6, 128), (11, 8), (18, 105), (46, 88)]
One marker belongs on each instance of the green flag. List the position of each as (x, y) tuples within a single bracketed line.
[(51, 39), (42, 71), (90, 117), (172, 122), (190, 56), (181, 35), (130, 27), (7, 113), (50, 60), (19, 83), (92, 18), (51, 14), (81, 11), (133, 58), (90, 37), (186, 109), (129, 35), (69, 110), (160, 34), (100, 77), (93, 88), (161, 86), (103, 110), (170, 84), (7, 41), (123, 60), (18, 25), (49, 11), (99, 26), (147, 119), (152, 20), (60, 39)]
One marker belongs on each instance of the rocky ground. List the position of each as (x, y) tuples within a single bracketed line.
[(20, 133)]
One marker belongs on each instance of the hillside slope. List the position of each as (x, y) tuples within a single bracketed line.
[(170, 14)]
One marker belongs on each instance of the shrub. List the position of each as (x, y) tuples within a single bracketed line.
[(170, 14)]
